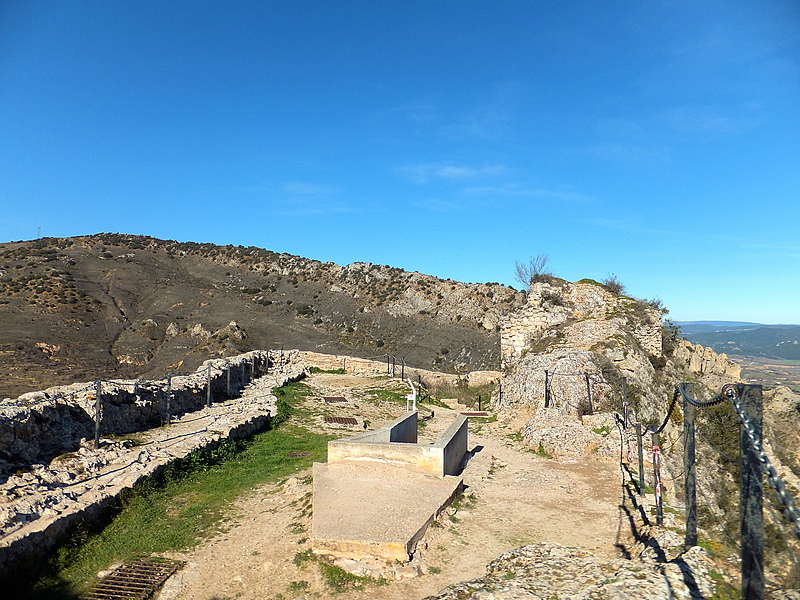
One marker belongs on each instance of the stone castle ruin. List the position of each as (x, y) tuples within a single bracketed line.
[(572, 348)]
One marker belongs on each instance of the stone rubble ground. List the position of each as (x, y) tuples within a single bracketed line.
[(556, 525), (559, 523)]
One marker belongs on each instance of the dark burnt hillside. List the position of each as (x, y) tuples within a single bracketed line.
[(112, 305)]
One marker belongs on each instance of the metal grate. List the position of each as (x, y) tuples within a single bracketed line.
[(341, 420), (334, 399), (135, 580)]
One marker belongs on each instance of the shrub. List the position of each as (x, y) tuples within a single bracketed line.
[(614, 285)]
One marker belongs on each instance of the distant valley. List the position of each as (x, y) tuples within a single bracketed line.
[(769, 354)]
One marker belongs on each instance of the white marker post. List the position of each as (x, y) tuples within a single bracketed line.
[(412, 397)]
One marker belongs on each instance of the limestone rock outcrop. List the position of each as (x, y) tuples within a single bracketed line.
[(578, 349)]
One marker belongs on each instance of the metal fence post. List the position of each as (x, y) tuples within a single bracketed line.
[(657, 478), (641, 457), (624, 402), (98, 415), (589, 394), (752, 499), (208, 387), (169, 398), (388, 365), (228, 376), (690, 485), (403, 369), (394, 363), (546, 388)]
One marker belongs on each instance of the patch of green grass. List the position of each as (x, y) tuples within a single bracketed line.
[(297, 586), (297, 528), (463, 501), (725, 590), (378, 394), (186, 505), (301, 559), (341, 581), (540, 451), (434, 570), (433, 402), (330, 371), (604, 431), (516, 436)]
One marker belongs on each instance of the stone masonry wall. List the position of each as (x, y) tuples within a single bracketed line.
[(553, 304), (38, 426)]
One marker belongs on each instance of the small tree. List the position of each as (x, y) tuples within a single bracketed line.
[(614, 285), (533, 271)]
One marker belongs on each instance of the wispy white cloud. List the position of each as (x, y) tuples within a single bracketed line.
[(693, 119), (630, 152), (450, 171), (438, 205), (304, 188), (512, 190)]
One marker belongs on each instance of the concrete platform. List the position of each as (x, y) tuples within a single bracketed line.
[(375, 509)]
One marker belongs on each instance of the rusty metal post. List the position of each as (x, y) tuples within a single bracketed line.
[(690, 485), (98, 412), (752, 500)]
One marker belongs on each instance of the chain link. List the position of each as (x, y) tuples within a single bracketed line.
[(790, 511)]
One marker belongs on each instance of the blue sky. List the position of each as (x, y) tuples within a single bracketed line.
[(656, 141)]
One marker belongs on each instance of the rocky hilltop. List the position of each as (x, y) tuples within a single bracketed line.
[(120, 306), (573, 344), (575, 351)]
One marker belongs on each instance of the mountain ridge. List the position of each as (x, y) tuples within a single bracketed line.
[(118, 305)]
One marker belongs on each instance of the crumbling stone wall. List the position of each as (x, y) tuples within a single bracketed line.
[(38, 426), (553, 304)]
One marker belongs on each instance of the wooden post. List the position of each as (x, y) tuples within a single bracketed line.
[(98, 414), (752, 500), (690, 486)]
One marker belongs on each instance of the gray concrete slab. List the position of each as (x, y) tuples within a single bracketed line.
[(375, 509)]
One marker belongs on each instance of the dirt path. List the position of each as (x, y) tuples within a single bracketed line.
[(513, 497)]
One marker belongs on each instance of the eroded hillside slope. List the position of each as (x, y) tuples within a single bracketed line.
[(112, 305)]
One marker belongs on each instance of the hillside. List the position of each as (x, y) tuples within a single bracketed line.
[(113, 305), (745, 339)]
